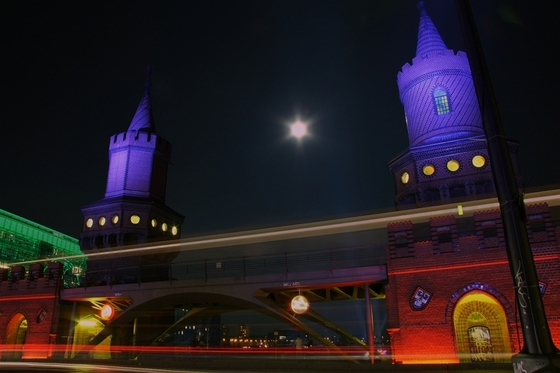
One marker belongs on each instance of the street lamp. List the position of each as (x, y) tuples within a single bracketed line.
[(107, 312), (300, 304)]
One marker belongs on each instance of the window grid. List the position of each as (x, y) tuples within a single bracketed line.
[(442, 104)]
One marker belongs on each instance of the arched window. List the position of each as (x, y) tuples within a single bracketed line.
[(441, 101)]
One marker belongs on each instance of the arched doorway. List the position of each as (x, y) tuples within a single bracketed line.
[(16, 332), (481, 329)]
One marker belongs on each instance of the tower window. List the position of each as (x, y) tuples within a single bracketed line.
[(453, 165), (478, 161), (441, 101), (428, 169), (405, 177)]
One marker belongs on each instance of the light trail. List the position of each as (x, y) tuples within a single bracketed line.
[(322, 228)]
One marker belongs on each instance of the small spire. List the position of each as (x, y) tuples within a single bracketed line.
[(429, 39), (143, 119)]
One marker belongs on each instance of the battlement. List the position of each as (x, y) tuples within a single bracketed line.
[(142, 139), (436, 62)]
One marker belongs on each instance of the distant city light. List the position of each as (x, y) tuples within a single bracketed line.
[(298, 129)]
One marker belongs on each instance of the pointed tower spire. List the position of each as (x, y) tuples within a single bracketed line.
[(429, 39), (143, 118)]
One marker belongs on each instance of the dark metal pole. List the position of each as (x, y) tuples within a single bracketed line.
[(538, 353), (369, 325)]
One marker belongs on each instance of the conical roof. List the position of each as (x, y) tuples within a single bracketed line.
[(143, 119), (429, 39)]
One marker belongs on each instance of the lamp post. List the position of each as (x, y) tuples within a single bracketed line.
[(538, 353)]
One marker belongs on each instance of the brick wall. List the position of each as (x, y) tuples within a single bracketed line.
[(474, 262)]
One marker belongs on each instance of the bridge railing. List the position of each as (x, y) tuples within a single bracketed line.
[(241, 267)]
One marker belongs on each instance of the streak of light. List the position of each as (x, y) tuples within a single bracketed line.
[(321, 228)]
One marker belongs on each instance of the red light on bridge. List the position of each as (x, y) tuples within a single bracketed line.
[(107, 312)]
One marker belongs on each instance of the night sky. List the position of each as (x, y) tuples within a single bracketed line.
[(229, 75)]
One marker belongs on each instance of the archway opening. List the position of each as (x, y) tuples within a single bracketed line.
[(481, 329), (16, 331)]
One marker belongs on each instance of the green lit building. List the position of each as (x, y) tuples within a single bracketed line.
[(23, 241)]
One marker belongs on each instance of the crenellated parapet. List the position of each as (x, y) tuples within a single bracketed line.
[(140, 139), (433, 63)]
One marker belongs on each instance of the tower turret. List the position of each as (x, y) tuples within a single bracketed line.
[(133, 210), (447, 155), (437, 91)]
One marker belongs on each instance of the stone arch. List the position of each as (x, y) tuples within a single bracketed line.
[(16, 332), (479, 315), (457, 295)]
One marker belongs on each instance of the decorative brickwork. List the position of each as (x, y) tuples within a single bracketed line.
[(30, 309)]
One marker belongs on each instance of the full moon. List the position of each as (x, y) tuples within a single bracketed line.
[(298, 129)]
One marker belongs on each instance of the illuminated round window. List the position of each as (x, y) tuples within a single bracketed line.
[(478, 161), (405, 177), (89, 223), (154, 223), (164, 227), (428, 169), (174, 230), (453, 165), (102, 221), (115, 219), (135, 219)]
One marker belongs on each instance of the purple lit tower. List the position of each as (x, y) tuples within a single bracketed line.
[(447, 156), (133, 210)]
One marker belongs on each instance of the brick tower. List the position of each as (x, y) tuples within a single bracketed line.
[(447, 156), (450, 293), (133, 210)]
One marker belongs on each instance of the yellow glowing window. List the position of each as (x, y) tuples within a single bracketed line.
[(135, 219), (164, 227), (115, 219), (428, 169), (405, 177), (174, 230), (102, 221), (478, 161), (154, 223), (89, 223), (453, 165), (442, 104)]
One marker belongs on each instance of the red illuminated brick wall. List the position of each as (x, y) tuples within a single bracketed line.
[(35, 296), (452, 262)]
